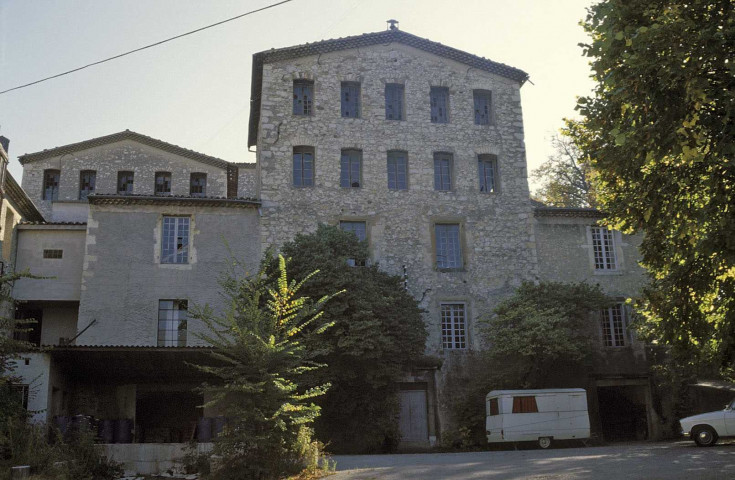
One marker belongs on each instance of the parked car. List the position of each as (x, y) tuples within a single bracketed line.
[(537, 415), (706, 428)]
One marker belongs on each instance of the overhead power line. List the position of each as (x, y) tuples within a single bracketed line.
[(147, 46)]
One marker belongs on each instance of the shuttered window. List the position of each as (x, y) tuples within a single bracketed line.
[(439, 104), (125, 183), (524, 405), (350, 99), (303, 97), (394, 101), (483, 105)]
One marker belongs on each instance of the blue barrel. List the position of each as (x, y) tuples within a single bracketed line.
[(123, 432), (204, 430), (106, 431)]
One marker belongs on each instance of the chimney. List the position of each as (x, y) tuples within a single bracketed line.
[(5, 143), (392, 24)]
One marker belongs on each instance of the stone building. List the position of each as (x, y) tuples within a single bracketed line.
[(414, 146)]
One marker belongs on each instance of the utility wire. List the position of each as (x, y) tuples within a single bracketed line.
[(146, 47)]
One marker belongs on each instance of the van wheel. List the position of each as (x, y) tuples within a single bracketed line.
[(704, 436), (544, 442)]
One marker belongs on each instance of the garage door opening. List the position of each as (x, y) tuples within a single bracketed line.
[(623, 413)]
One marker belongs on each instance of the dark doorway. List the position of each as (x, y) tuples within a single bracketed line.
[(166, 417), (622, 413)]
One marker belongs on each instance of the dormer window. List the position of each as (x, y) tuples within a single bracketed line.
[(51, 185), (198, 185), (87, 179), (163, 183)]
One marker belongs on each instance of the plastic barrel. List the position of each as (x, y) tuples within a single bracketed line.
[(204, 429)]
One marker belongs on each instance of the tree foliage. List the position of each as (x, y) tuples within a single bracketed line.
[(659, 133), (261, 343), (378, 334), (564, 178), (541, 327)]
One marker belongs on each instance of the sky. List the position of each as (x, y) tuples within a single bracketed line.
[(195, 91)]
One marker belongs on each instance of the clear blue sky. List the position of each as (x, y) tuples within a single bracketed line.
[(195, 91)]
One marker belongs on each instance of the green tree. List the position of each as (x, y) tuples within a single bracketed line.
[(660, 134), (564, 179), (261, 343), (378, 335)]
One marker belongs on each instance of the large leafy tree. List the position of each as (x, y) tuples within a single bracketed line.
[(564, 180), (659, 133), (378, 334)]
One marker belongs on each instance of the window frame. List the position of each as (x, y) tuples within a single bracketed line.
[(493, 408), (302, 150), (121, 174), (354, 262), (163, 175), (175, 258), (53, 253), (440, 157), (350, 155), (90, 183), (454, 332), (197, 176), (614, 333), (396, 100), (524, 404), (54, 195), (303, 107), (438, 247), (482, 160), (179, 325), (395, 155), (604, 251), (480, 94), (439, 113), (25, 393), (355, 88)]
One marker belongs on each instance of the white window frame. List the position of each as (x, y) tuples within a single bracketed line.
[(442, 262), (453, 329), (604, 254), (176, 335), (176, 258), (614, 326)]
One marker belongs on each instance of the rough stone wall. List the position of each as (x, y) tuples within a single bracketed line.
[(107, 161), (123, 279), (496, 228), (247, 183)]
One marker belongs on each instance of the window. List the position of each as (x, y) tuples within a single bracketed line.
[(172, 315), (303, 97), (397, 170), (198, 185), (86, 183), (494, 407), (360, 231), (20, 394), (603, 248), (163, 183), (448, 251), (453, 326), (350, 99), (524, 405), (303, 167), (351, 166), (393, 101), (56, 254), (443, 171), (125, 183), (483, 105), (175, 240), (439, 104), (51, 184), (614, 325), (487, 168)]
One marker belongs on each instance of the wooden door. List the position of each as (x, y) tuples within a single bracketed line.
[(413, 418)]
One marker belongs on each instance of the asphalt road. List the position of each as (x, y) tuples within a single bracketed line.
[(643, 460)]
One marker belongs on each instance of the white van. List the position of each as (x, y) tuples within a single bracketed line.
[(537, 415)]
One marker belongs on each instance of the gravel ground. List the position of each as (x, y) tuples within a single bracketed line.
[(632, 461)]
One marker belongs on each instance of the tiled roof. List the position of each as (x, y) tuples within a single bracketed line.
[(568, 212), (364, 40), (183, 200), (20, 199), (117, 137)]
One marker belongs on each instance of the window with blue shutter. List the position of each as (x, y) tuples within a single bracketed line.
[(303, 167), (303, 97), (483, 106), (394, 101), (397, 170), (439, 104), (350, 99), (125, 183), (443, 171), (351, 164)]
